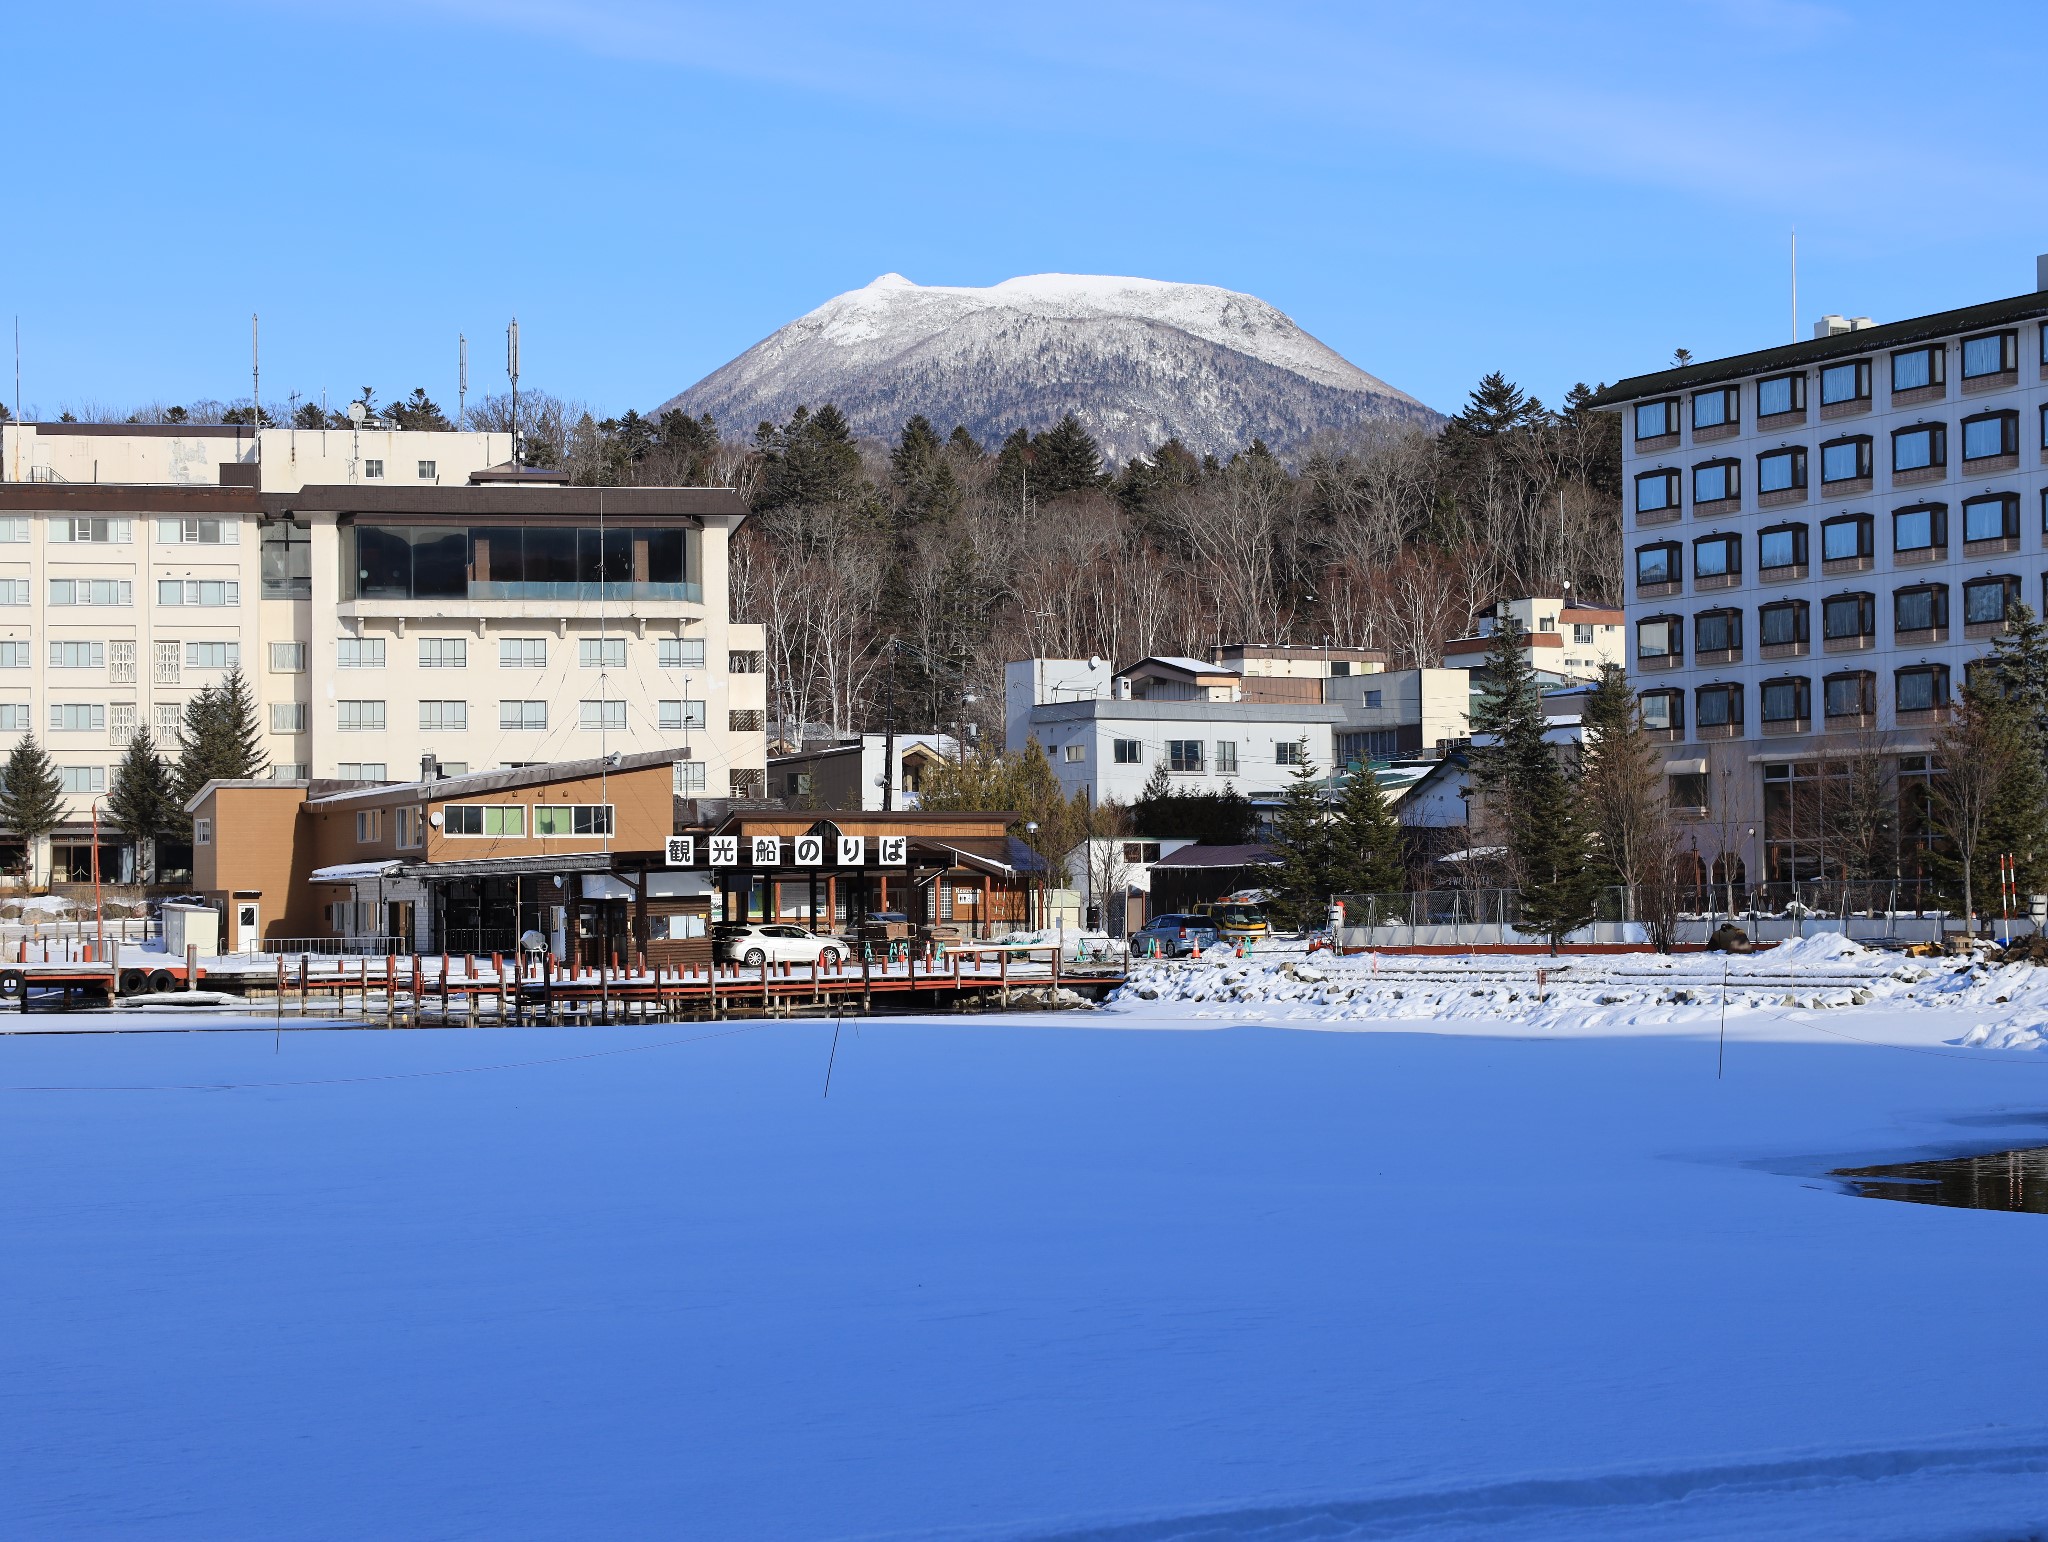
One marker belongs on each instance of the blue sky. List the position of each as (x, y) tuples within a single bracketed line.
[(652, 187)]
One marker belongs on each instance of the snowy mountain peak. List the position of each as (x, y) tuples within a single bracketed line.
[(1139, 360)]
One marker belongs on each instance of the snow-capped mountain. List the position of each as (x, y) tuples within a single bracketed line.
[(1138, 360)]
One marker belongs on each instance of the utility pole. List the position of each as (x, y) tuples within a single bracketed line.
[(512, 369), (255, 393), (889, 737), (461, 378)]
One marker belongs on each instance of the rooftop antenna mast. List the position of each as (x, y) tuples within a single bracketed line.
[(255, 390), (512, 369), (1795, 283), (461, 379)]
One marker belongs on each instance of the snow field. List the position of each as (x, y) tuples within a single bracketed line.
[(1023, 1278)]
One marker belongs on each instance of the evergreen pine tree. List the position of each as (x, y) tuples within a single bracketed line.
[(811, 459), (1016, 478), (139, 801), (1302, 848), (923, 474), (1067, 459), (219, 738), (1530, 805), (2018, 666), (31, 797), (1365, 838), (418, 411)]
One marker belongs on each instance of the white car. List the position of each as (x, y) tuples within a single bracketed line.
[(776, 943)]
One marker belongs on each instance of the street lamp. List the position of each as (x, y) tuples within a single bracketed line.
[(1036, 918)]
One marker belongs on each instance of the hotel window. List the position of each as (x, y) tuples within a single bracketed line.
[(679, 652), (1780, 547), (444, 716), (408, 826), (1845, 538), (197, 591), (1845, 460), (14, 591), (1717, 556), (1917, 368), (1656, 491), (373, 470), (1779, 471), (287, 771), (84, 779), (1717, 631), (1922, 608), (13, 529), (212, 655), (1127, 752), (91, 591), (1921, 688), (78, 655), (1987, 601), (1183, 754), (1287, 752), (287, 560), (1716, 409), (603, 714), (601, 652), (573, 819), (1995, 518), (522, 652), (1073, 754), (359, 653), (1719, 707), (287, 717), (1660, 638), (1852, 693), (1656, 419), (1657, 564), (1788, 700), (1783, 625), (360, 717), (198, 532), (444, 653), (680, 714), (1848, 616), (1995, 353), (1923, 528), (1663, 711), (687, 776), (1840, 383), (361, 771), (484, 819), (288, 658), (77, 717), (369, 825), (1780, 394), (523, 716), (1992, 434), (1226, 756), (121, 723), (94, 532), (1715, 481), (1919, 448), (14, 717), (14, 655), (169, 717), (428, 470)]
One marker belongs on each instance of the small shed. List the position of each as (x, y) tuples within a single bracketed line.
[(1202, 875)]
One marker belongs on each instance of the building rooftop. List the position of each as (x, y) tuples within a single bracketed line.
[(1839, 345)]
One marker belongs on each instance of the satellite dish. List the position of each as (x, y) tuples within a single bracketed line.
[(1094, 661), (357, 412)]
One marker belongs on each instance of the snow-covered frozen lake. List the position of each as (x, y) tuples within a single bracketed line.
[(1033, 1277)]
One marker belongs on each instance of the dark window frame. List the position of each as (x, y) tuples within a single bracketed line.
[(1937, 372), (1665, 474), (1800, 609), (1937, 526), (2008, 340), (1865, 681), (1729, 543), (1731, 404), (1797, 380), (1676, 624), (1675, 718), (1670, 406), (1801, 553), (2009, 516), (1937, 677), (1675, 564), (1937, 441), (1802, 699), (1937, 610), (1865, 458), (1733, 486), (1859, 382), (1866, 614), (1729, 692), (1866, 529), (1795, 456), (1732, 614), (2008, 585), (2008, 439)]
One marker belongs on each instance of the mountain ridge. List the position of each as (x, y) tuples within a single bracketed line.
[(1138, 361)]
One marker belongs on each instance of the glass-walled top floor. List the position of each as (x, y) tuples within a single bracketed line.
[(521, 562)]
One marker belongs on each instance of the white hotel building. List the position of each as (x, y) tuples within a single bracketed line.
[(389, 595), (1820, 538)]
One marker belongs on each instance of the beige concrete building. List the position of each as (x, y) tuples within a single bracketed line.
[(388, 595)]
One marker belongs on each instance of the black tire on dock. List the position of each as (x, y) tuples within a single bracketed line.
[(13, 984), (160, 981), (134, 981)]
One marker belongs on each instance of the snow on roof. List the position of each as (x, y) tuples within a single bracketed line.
[(344, 872)]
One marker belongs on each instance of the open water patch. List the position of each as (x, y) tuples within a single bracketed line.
[(1997, 1180)]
